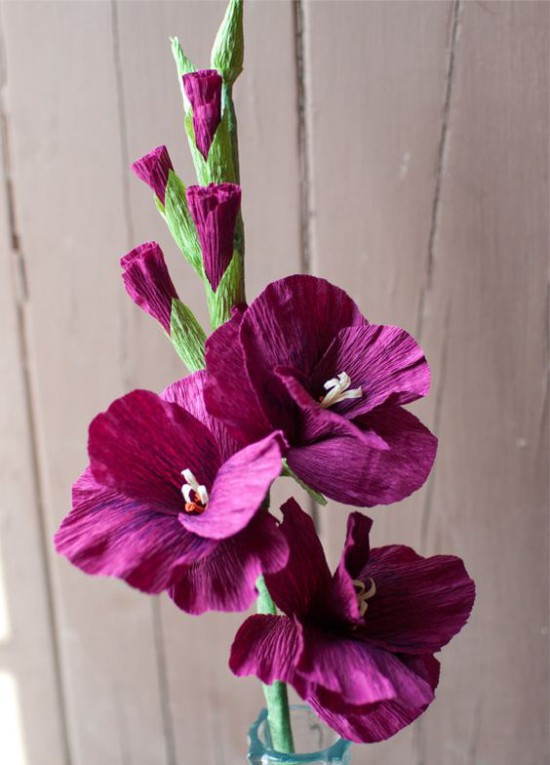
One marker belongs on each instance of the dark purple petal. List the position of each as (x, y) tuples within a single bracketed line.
[(189, 394), (306, 574), (148, 282), (225, 579), (228, 393), (385, 362), (268, 647), (140, 445), (368, 475), (154, 168), (374, 722), (240, 487), (292, 323), (110, 534), (204, 91), (214, 209), (420, 603)]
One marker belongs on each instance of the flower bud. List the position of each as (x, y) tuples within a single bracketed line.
[(154, 168), (148, 282), (204, 91)]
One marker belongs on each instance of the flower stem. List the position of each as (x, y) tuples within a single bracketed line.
[(276, 695)]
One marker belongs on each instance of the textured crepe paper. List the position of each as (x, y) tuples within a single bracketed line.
[(204, 91)]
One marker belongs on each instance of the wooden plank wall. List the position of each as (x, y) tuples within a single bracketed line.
[(399, 149)]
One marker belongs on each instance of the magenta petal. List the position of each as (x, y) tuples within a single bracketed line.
[(306, 574), (140, 445), (154, 168), (225, 580), (204, 91), (110, 534), (214, 209), (148, 282), (372, 476), (420, 603), (384, 361), (268, 647), (239, 489), (228, 393)]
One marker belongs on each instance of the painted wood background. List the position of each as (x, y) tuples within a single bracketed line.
[(399, 149)]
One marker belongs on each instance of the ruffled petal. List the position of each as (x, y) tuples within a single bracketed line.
[(239, 489), (373, 476), (154, 169), (228, 393), (110, 534), (268, 647), (420, 603), (204, 91), (384, 361), (225, 579), (140, 445), (374, 722), (147, 281), (306, 574)]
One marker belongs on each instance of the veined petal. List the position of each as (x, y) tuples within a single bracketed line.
[(204, 91), (148, 282), (110, 534), (140, 445), (153, 169), (239, 489)]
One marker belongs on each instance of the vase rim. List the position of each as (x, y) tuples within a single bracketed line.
[(257, 747)]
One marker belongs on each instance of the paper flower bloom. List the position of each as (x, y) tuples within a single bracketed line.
[(148, 282), (358, 646), (302, 359), (204, 91), (154, 168), (169, 503), (214, 209)]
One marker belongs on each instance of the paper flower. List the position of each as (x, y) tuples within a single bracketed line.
[(204, 91), (154, 168), (214, 209), (148, 282), (358, 646), (304, 360), (169, 503)]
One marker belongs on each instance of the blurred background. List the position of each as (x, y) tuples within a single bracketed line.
[(399, 149)]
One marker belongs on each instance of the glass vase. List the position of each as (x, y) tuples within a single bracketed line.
[(315, 743)]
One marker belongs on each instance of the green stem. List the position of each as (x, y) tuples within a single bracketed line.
[(276, 695)]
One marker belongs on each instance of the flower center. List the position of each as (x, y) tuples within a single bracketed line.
[(195, 496), (339, 390), (363, 594)]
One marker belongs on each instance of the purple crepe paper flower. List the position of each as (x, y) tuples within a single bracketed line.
[(302, 359), (214, 209), (358, 646), (154, 168), (148, 282), (204, 91), (169, 503)]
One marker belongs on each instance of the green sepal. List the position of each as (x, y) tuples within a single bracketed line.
[(230, 292), (219, 166), (178, 218), (188, 336), (228, 50), (289, 473), (184, 67)]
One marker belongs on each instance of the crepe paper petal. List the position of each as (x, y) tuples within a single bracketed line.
[(306, 574), (373, 476), (214, 209), (228, 392), (204, 91), (225, 579), (110, 534), (420, 603), (267, 646), (372, 722), (153, 169), (241, 485), (385, 362), (148, 282), (141, 444)]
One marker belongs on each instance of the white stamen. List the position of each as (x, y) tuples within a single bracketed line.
[(193, 485), (339, 390), (363, 594)]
